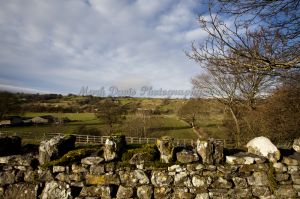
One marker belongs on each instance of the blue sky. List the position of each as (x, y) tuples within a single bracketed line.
[(59, 46)]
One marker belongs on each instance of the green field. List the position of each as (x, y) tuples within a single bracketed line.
[(164, 123), (169, 125), (71, 116)]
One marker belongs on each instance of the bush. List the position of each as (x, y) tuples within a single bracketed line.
[(84, 130), (150, 149), (73, 156)]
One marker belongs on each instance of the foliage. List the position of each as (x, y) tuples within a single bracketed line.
[(278, 117), (150, 149), (85, 130), (192, 109), (271, 178), (9, 103), (110, 111), (73, 156)]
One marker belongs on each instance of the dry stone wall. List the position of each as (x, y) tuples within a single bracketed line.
[(21, 176)]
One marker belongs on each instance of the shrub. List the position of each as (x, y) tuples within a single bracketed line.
[(84, 130), (150, 149), (73, 156)]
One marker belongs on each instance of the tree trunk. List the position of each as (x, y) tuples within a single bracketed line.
[(193, 120), (237, 126)]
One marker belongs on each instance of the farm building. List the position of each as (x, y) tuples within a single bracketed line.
[(11, 121), (5, 122)]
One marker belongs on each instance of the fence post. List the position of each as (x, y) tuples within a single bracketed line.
[(147, 140), (140, 140), (131, 140), (87, 139)]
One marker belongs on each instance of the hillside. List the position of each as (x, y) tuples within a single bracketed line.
[(162, 116)]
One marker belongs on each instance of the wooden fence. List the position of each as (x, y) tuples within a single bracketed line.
[(93, 139)]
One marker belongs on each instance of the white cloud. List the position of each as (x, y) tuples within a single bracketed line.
[(195, 34), (12, 88), (63, 45)]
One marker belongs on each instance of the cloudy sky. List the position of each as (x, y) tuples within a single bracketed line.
[(61, 45)]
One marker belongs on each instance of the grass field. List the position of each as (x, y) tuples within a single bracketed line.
[(71, 116), (168, 123)]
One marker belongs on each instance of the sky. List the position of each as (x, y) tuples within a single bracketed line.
[(60, 46)]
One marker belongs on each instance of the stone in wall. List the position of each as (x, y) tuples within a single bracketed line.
[(124, 192), (145, 192), (92, 160), (201, 181), (262, 146), (106, 179), (161, 178), (202, 196), (182, 179), (244, 158), (286, 191), (113, 146), (56, 190), (186, 156), (296, 145), (218, 155), (22, 191), (165, 146), (163, 192), (133, 178), (55, 148), (261, 191), (96, 191), (240, 183), (7, 178), (182, 193), (258, 179), (205, 149), (140, 158), (221, 183)]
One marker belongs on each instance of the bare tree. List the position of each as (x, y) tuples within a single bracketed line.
[(111, 112), (144, 117), (142, 123), (241, 56), (277, 15), (265, 50), (190, 111), (232, 86)]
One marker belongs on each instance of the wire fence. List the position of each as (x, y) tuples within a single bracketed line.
[(93, 139)]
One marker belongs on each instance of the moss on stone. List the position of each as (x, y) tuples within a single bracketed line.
[(271, 178), (96, 180), (72, 156), (157, 164), (106, 179), (150, 149), (126, 164)]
